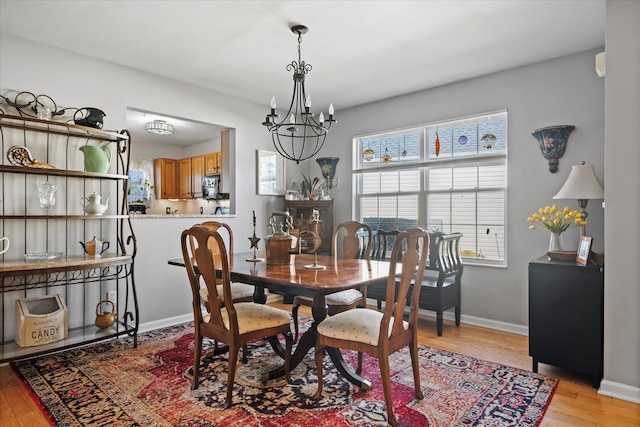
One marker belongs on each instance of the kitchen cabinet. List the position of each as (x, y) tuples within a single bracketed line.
[(182, 179), (197, 173), (566, 316), (213, 163), (165, 180), (301, 211), (190, 174), (82, 281)]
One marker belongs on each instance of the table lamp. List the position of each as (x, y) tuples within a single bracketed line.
[(582, 185)]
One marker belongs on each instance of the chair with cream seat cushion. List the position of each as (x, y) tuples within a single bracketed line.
[(380, 334), (234, 324), (240, 292), (355, 243)]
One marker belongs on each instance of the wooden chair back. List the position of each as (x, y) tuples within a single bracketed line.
[(448, 259), (205, 249), (383, 241), (218, 226), (357, 239), (410, 250)]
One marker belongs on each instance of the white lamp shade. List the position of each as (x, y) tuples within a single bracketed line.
[(581, 184)]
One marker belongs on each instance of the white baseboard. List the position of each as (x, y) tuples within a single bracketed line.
[(482, 322), (475, 321), (619, 391), (164, 323)]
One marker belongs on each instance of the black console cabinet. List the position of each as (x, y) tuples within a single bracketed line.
[(566, 316)]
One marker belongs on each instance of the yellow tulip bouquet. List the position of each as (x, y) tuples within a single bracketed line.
[(555, 220)]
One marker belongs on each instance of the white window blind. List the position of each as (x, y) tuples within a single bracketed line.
[(448, 176)]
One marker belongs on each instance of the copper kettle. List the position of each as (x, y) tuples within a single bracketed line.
[(106, 319), (280, 241)]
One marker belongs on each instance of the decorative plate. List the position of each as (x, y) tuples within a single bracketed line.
[(44, 256), (21, 156)]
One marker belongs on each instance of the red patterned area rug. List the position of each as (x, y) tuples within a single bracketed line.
[(113, 384)]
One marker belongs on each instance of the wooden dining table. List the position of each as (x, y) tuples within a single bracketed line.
[(330, 275)]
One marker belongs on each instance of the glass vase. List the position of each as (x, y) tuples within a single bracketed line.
[(555, 242), (47, 196)]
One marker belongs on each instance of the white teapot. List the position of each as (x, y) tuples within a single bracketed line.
[(92, 206)]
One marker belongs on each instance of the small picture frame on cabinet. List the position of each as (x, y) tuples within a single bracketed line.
[(292, 195), (584, 248)]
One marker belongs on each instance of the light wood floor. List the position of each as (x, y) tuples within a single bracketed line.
[(575, 402)]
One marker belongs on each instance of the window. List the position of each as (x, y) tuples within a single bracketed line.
[(449, 176)]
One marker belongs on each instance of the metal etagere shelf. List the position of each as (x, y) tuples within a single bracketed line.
[(82, 280)]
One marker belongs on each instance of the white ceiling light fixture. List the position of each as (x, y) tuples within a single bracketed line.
[(159, 127)]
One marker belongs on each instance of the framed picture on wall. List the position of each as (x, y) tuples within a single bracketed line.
[(584, 247), (270, 173)]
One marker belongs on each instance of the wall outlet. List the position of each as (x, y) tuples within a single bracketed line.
[(112, 296)]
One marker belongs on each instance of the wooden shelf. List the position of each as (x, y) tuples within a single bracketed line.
[(88, 217), (25, 170), (22, 267), (59, 128)]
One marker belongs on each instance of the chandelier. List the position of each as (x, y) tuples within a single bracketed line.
[(298, 136), (159, 127)]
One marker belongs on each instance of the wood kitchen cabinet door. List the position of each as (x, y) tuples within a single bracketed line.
[(165, 178), (213, 163), (184, 178), (197, 173)]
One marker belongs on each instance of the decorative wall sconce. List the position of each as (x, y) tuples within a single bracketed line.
[(553, 142)]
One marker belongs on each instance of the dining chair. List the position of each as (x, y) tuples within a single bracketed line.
[(355, 243), (232, 323), (443, 291), (379, 334), (240, 292)]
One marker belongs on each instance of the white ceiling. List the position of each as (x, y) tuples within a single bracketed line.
[(361, 51)]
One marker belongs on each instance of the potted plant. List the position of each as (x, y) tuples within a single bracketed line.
[(311, 188)]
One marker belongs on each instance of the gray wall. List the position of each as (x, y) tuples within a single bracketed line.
[(622, 229)]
